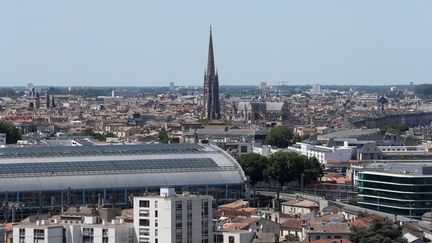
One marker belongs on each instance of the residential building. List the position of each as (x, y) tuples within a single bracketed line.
[(55, 231), (170, 217), (319, 230), (299, 206), (295, 227), (234, 236)]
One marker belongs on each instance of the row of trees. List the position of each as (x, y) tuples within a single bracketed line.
[(281, 166), (423, 90)]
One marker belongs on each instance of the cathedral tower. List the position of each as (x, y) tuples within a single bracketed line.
[(211, 86)]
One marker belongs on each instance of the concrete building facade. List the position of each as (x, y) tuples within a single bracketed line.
[(171, 218)]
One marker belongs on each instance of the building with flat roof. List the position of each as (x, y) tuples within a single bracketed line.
[(400, 188), (53, 231), (49, 178), (171, 217)]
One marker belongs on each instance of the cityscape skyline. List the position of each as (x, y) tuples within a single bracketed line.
[(45, 43)]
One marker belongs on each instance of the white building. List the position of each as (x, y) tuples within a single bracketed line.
[(316, 89), (173, 218), (323, 153), (53, 231)]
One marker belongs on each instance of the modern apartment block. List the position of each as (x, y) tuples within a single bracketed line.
[(169, 217)]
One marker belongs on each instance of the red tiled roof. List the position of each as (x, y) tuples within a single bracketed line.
[(292, 224)]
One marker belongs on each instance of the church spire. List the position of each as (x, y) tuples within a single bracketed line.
[(210, 62)]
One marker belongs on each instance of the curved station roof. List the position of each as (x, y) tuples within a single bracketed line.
[(116, 166)]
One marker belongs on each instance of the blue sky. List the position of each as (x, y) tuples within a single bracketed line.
[(147, 43)]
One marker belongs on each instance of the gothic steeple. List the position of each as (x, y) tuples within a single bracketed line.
[(210, 62), (211, 86)]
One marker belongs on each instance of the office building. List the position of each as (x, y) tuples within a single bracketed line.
[(170, 218), (401, 188)]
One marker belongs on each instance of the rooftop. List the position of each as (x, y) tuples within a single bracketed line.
[(108, 166), (415, 168), (102, 150)]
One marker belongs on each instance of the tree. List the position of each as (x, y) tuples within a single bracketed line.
[(13, 134), (290, 237), (89, 132), (280, 136), (110, 135), (289, 166), (8, 92), (379, 231), (163, 136), (396, 128), (100, 137), (253, 165)]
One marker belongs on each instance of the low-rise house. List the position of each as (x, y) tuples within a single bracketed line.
[(294, 227), (318, 230), (299, 206), (233, 236)]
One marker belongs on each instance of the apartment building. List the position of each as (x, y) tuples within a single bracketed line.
[(171, 217), (89, 231)]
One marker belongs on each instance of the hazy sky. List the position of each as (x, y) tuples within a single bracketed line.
[(140, 42)]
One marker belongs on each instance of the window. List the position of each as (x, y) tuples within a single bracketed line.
[(144, 240), (156, 204), (144, 203), (104, 235), (144, 231), (178, 205), (231, 239), (88, 235), (144, 222), (156, 213), (21, 236), (218, 238), (156, 223), (39, 236), (144, 212)]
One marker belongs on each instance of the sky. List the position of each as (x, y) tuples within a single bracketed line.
[(152, 43)]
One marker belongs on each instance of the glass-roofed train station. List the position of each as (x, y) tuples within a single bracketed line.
[(42, 179)]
